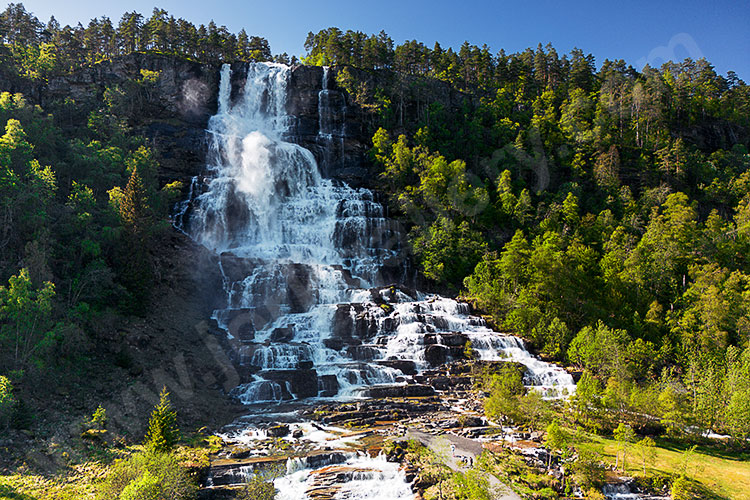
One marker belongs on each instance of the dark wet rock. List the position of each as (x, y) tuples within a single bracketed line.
[(442, 383), (239, 323), (471, 421), (302, 383), (345, 156), (246, 372), (343, 323), (328, 386), (453, 339), (436, 355), (285, 334), (233, 471), (278, 431), (240, 453), (399, 391), (335, 344), (406, 366), (362, 352)]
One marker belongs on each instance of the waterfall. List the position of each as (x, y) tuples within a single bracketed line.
[(308, 262), (331, 123), (358, 478)]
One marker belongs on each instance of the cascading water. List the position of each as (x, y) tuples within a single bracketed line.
[(359, 478), (302, 255), (307, 262), (331, 122)]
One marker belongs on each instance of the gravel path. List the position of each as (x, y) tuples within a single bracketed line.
[(464, 447)]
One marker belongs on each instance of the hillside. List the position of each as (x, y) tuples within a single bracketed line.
[(182, 210)]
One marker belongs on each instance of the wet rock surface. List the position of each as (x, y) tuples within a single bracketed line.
[(365, 426)]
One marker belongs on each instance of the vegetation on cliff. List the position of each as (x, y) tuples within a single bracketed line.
[(600, 213)]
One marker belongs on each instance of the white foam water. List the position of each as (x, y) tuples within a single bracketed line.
[(314, 244), (308, 260), (367, 479)]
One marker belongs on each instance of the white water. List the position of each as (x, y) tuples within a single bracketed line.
[(314, 247), (301, 257), (368, 479), (622, 491)]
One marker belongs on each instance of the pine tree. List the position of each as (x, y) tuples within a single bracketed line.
[(135, 215), (134, 209), (162, 434)]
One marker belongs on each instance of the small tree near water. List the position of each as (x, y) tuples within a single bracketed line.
[(162, 434), (7, 402)]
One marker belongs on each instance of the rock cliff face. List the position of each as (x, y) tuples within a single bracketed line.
[(174, 113), (330, 123), (185, 90)]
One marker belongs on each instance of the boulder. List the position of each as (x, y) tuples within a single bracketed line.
[(453, 339), (302, 383), (328, 386), (278, 431), (435, 355), (408, 367), (284, 334)]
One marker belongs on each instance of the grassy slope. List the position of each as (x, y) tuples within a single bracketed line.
[(82, 480), (723, 474)]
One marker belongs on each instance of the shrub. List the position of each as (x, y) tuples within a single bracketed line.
[(7, 402), (99, 418), (148, 475), (258, 488)]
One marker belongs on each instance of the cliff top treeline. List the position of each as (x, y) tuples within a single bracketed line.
[(38, 50)]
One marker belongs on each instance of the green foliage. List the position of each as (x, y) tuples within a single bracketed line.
[(470, 485), (469, 352), (646, 450), (27, 332), (605, 227), (99, 417), (625, 437), (600, 349), (587, 402), (587, 471), (7, 402), (682, 489), (38, 51), (258, 487), (61, 243), (508, 399), (148, 475), (557, 438), (448, 251), (162, 434)]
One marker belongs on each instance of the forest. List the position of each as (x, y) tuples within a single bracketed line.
[(600, 212)]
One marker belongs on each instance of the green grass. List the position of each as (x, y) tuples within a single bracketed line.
[(79, 481), (723, 475)]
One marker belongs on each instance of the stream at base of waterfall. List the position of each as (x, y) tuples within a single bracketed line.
[(316, 279)]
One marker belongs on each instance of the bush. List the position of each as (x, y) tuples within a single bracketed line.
[(99, 418), (146, 476), (7, 402), (258, 488)]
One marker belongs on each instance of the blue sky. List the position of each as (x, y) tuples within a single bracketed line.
[(637, 31)]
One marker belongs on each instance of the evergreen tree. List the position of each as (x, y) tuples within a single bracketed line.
[(162, 434)]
